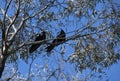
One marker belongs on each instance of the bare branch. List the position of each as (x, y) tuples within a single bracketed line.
[(14, 34), (8, 18), (6, 10), (30, 69), (15, 17), (67, 39)]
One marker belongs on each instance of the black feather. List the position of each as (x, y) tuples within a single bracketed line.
[(41, 37), (58, 40)]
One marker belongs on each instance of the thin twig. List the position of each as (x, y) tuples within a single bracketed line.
[(30, 69)]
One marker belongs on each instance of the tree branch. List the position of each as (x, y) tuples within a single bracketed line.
[(28, 79), (8, 18), (48, 5), (12, 21)]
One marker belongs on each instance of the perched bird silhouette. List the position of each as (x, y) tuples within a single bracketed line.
[(58, 40), (41, 37), (117, 32)]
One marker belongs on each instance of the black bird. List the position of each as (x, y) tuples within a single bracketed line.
[(58, 40), (41, 37)]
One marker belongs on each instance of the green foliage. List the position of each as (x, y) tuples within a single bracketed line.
[(92, 30)]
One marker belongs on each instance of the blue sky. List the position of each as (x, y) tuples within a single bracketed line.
[(113, 72)]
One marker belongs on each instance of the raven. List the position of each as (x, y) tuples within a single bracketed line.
[(58, 40), (41, 37)]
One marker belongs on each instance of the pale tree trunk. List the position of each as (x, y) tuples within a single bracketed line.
[(4, 50), (2, 65), (4, 55)]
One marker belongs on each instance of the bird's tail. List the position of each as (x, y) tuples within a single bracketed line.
[(49, 48)]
